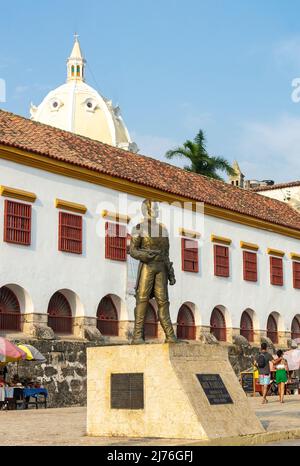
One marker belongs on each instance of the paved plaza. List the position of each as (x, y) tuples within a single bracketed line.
[(66, 426)]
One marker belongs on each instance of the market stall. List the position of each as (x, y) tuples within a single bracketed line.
[(19, 393)]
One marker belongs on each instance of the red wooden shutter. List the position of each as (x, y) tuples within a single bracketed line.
[(221, 260), (250, 266), (115, 241), (276, 271), (70, 233), (107, 317), (247, 326), (189, 255), (17, 222), (296, 274)]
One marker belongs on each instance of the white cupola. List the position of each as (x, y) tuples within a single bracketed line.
[(77, 107)]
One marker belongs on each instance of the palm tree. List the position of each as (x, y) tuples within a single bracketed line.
[(200, 161)]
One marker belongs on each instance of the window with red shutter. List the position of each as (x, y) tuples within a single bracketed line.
[(150, 326), (189, 255), (115, 241), (221, 260), (218, 325), (250, 266), (107, 317), (295, 328), (296, 274), (246, 326), (272, 330), (276, 271), (70, 233), (17, 222)]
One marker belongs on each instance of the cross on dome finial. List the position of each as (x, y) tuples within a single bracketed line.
[(76, 36)]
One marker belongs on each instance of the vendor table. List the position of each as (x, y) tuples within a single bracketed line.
[(13, 397), (35, 393)]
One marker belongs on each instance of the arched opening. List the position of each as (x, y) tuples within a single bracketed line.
[(10, 312), (150, 326), (78, 70), (272, 330), (60, 314), (247, 327), (186, 329), (296, 327), (107, 317), (218, 325)]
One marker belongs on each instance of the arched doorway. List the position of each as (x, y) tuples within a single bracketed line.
[(247, 327), (107, 317), (186, 329), (218, 325), (60, 314), (296, 327), (272, 330), (10, 312), (150, 326)]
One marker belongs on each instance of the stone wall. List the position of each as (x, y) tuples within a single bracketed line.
[(64, 372)]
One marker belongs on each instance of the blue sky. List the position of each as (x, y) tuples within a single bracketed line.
[(173, 66)]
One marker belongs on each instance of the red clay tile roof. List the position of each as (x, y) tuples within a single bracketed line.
[(291, 184), (22, 133)]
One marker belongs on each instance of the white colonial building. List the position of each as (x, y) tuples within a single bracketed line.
[(67, 204)]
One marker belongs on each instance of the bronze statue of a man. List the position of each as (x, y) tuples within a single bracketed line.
[(150, 245)]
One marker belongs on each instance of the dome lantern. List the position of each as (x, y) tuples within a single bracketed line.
[(76, 62)]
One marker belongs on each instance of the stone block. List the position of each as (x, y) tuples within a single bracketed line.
[(175, 404)]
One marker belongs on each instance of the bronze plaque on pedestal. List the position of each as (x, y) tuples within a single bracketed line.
[(214, 388), (127, 391)]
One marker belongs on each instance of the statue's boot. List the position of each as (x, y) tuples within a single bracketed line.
[(165, 321), (140, 315)]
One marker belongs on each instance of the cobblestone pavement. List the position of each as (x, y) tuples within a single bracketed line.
[(66, 426)]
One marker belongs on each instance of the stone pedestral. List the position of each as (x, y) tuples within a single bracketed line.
[(152, 390)]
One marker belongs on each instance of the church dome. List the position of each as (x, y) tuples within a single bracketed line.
[(77, 107)]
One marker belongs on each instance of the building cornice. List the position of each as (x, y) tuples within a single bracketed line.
[(119, 184), (189, 233), (275, 252), (115, 216), (71, 206), (220, 239), (294, 256), (15, 193), (251, 246)]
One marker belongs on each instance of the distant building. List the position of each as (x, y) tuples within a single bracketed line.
[(238, 179), (253, 184), (285, 192)]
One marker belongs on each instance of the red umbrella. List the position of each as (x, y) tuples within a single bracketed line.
[(10, 352)]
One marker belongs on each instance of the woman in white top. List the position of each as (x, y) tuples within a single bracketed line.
[(282, 371)]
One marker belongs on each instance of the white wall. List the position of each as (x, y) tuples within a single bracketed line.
[(42, 270), (282, 194)]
